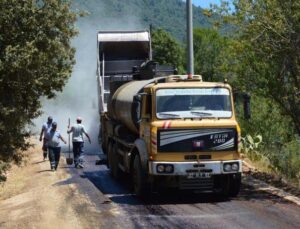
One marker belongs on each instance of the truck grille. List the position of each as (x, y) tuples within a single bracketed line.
[(197, 140), (199, 184)]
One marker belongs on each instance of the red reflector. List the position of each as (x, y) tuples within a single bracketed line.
[(153, 142), (198, 144)]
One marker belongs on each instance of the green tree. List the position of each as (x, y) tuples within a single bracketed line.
[(208, 48), (263, 58), (166, 50), (36, 59), (267, 51)]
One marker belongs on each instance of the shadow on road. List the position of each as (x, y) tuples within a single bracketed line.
[(38, 162), (120, 191), (46, 170), (249, 193)]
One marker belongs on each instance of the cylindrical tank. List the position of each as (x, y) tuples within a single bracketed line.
[(120, 107)]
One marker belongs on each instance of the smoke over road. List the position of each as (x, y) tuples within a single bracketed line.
[(79, 97)]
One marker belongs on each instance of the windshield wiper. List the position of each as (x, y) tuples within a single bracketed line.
[(169, 114), (201, 113)]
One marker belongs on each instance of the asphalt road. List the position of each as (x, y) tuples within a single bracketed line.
[(122, 209)]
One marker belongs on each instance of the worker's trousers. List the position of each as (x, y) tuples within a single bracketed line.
[(45, 148), (54, 156), (78, 153)]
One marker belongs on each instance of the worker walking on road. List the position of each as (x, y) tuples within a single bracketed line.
[(77, 138), (54, 137), (46, 126)]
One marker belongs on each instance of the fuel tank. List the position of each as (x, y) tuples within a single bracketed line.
[(121, 106)]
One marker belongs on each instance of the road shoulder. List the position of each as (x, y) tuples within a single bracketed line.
[(36, 197)]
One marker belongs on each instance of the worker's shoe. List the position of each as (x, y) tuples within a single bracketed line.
[(45, 156), (80, 166), (52, 168)]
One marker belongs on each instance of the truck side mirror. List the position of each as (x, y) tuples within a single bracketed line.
[(137, 98), (136, 108), (247, 109)]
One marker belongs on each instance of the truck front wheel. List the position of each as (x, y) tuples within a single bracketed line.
[(235, 185), (231, 185), (225, 186), (139, 177)]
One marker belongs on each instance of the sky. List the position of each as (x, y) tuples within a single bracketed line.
[(205, 3)]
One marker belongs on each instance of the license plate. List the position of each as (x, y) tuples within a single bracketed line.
[(198, 175)]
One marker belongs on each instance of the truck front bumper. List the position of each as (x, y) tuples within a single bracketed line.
[(186, 168)]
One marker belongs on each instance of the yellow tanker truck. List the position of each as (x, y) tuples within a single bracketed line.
[(172, 131)]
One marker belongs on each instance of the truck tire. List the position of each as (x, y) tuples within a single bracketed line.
[(139, 177), (235, 185), (113, 161), (225, 186)]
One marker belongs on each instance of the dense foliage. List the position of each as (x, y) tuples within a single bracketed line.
[(166, 50), (36, 60), (270, 38), (209, 46), (264, 58)]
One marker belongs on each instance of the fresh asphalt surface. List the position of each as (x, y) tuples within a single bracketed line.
[(251, 209)]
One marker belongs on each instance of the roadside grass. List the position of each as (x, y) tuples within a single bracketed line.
[(276, 166)]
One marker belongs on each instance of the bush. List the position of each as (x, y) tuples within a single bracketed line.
[(279, 147), (250, 146), (287, 160)]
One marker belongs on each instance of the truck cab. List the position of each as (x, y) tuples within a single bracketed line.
[(191, 134)]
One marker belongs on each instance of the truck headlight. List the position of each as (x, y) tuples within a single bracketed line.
[(160, 168), (227, 167), (165, 168), (169, 168), (235, 167)]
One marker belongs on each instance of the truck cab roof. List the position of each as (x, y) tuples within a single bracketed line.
[(185, 82)]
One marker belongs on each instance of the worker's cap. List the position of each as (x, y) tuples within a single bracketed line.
[(50, 119), (79, 119), (54, 125)]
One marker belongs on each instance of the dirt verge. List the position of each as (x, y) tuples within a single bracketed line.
[(271, 179), (36, 197)]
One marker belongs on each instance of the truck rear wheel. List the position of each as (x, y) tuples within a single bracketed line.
[(113, 161), (139, 177), (109, 155)]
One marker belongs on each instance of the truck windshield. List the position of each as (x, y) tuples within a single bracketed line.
[(193, 103)]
